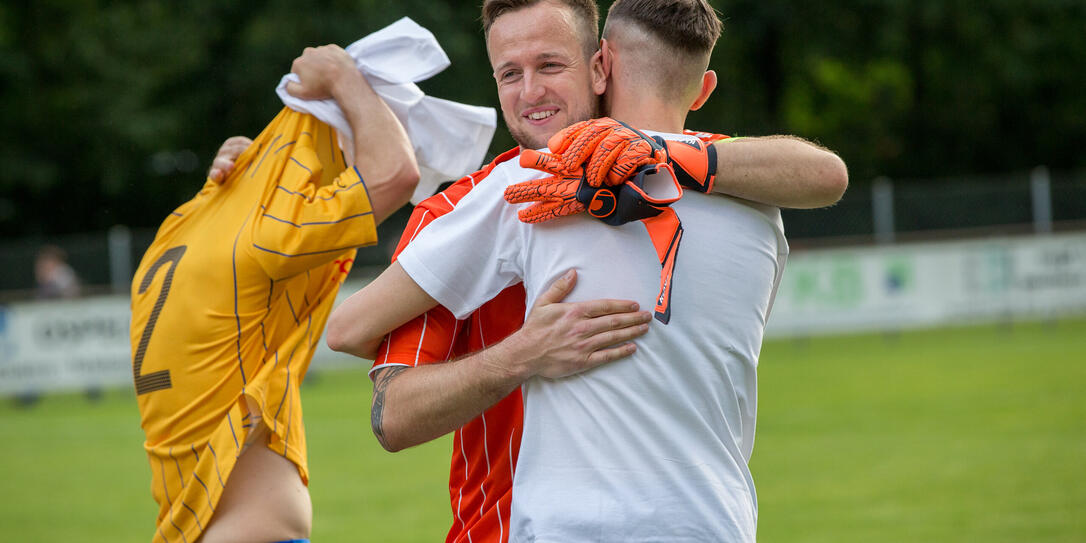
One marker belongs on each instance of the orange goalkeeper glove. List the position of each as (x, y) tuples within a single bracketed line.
[(562, 195), (609, 152), (554, 197)]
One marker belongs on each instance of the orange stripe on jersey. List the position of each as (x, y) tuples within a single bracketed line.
[(666, 231), (427, 338)]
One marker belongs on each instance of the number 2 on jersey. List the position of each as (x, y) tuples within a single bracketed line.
[(159, 380)]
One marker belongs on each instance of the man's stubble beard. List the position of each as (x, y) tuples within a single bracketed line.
[(527, 141)]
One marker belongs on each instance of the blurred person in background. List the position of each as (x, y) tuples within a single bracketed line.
[(55, 280), (54, 276)]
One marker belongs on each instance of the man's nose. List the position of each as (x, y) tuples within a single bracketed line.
[(533, 89)]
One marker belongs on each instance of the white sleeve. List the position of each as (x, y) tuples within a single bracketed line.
[(466, 257)]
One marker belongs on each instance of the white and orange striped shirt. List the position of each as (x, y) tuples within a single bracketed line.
[(485, 449)]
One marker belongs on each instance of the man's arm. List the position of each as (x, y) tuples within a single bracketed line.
[(414, 405), (359, 324), (381, 152), (783, 171)]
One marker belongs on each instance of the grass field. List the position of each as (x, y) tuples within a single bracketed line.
[(969, 434)]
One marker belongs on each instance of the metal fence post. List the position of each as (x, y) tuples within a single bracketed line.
[(1041, 189), (120, 258), (882, 204)]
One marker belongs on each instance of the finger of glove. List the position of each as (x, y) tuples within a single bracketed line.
[(625, 145), (639, 153), (545, 211), (540, 189), (605, 159), (633, 157), (560, 141), (585, 145), (536, 160)]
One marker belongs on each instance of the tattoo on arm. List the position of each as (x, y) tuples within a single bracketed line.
[(377, 410)]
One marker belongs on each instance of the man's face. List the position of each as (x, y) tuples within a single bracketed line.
[(544, 82)]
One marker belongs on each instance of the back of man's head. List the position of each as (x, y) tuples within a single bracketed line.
[(670, 40), (585, 11)]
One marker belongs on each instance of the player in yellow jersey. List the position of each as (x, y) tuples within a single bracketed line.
[(229, 302)]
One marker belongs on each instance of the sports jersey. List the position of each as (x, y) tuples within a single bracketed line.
[(228, 305), (485, 449), (653, 447)]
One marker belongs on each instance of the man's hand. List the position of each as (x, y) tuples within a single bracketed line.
[(609, 151), (320, 69), (224, 160), (562, 195), (554, 197), (560, 339)]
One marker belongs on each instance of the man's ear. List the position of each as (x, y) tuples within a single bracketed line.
[(601, 68), (708, 85)]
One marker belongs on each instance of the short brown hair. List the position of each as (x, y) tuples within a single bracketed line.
[(691, 26), (680, 37), (586, 11)]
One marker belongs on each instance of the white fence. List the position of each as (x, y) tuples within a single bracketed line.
[(73, 345), (921, 285)]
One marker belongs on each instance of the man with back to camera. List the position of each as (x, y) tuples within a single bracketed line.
[(229, 302), (625, 46)]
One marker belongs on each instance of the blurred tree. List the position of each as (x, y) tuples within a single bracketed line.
[(112, 111)]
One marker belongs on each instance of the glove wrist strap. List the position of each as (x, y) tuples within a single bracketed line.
[(694, 163), (629, 201)]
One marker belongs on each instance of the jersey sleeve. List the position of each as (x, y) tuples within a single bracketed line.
[(430, 337), (433, 336), (707, 137), (300, 225), (421, 217), (427, 339), (469, 255)]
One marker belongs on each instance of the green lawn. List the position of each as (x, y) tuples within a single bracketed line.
[(971, 434)]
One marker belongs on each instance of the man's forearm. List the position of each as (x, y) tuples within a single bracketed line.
[(362, 320), (783, 171), (413, 405), (381, 151)]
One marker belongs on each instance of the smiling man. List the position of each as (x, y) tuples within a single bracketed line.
[(549, 74), (543, 58), (653, 448)]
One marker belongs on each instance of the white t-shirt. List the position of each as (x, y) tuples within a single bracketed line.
[(653, 447)]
